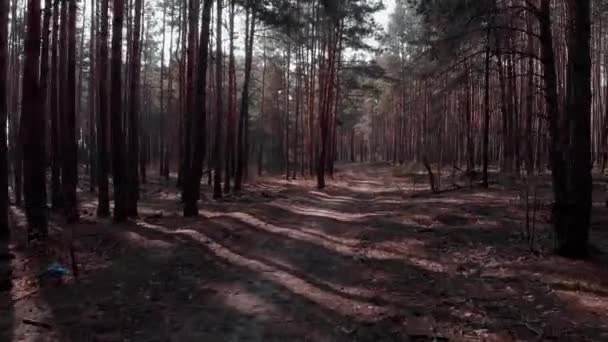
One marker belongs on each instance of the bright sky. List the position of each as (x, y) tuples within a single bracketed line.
[(382, 17)]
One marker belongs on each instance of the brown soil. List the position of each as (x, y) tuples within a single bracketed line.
[(364, 260)]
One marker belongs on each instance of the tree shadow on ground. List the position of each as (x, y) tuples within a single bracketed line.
[(205, 282), (266, 273), (185, 291)]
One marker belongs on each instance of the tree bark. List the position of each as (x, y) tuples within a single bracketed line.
[(134, 112), (486, 123), (242, 141), (103, 197), (56, 202), (92, 100), (191, 192), (572, 211), (4, 197), (231, 117), (33, 130), (116, 119), (219, 66), (70, 148), (162, 130)]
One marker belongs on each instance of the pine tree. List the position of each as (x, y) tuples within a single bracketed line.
[(33, 129), (70, 147), (219, 104), (103, 208), (133, 119), (116, 116), (4, 196), (54, 133)]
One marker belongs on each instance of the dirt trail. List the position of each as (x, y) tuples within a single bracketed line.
[(360, 261)]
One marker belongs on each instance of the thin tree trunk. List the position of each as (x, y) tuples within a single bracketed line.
[(182, 131), (530, 88), (162, 130), (217, 181), (243, 146), (103, 197), (230, 148), (486, 123), (14, 120), (262, 125), (92, 101)]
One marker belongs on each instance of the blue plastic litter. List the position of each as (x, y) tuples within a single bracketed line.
[(54, 270)]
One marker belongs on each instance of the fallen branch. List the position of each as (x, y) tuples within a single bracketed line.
[(37, 324), (25, 296)]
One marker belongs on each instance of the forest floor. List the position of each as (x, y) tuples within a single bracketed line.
[(368, 259)]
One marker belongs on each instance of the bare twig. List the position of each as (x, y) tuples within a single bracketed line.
[(25, 296)]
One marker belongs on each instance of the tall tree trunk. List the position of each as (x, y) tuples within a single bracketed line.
[(63, 97), (168, 139), (486, 123), (327, 75), (70, 148), (44, 58), (103, 197), (14, 120), (262, 125), (162, 130), (286, 101), (55, 116), (188, 105), (44, 55), (572, 211), (182, 138), (219, 66), (134, 109), (116, 122), (144, 117), (33, 130), (231, 117), (470, 143), (92, 100), (242, 141), (530, 99), (191, 191), (4, 197)]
